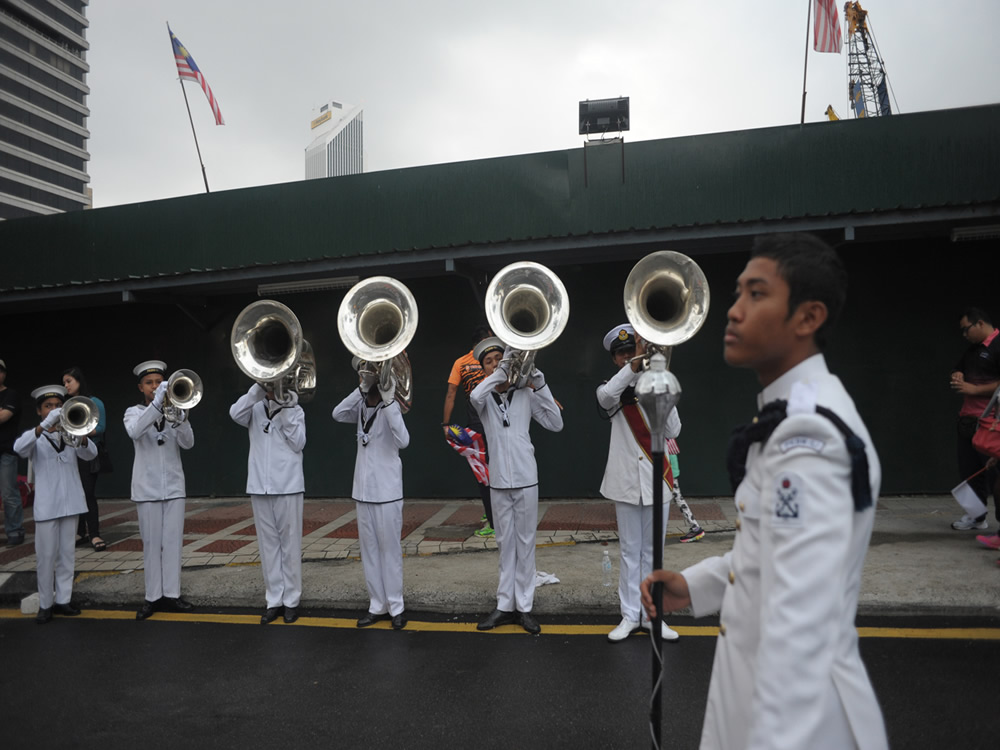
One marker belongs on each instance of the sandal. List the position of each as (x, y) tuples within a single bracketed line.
[(98, 544)]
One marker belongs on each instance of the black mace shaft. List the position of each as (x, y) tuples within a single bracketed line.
[(656, 628)]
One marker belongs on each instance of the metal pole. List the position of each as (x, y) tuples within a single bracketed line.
[(656, 628), (805, 66), (196, 147)]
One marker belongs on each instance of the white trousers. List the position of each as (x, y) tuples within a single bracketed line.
[(55, 551), (635, 541), (515, 513), (278, 519), (161, 526), (379, 528)]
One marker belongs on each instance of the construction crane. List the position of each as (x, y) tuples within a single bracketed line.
[(867, 83)]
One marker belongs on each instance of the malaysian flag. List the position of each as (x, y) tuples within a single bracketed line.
[(826, 32), (188, 70), (471, 445)]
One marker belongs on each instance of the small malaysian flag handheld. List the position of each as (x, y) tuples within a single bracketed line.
[(826, 32), (188, 70)]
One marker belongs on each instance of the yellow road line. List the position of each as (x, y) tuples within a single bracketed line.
[(704, 631)]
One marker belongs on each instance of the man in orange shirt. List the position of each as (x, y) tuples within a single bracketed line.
[(466, 373)]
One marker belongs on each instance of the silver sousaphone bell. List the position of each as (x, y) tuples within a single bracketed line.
[(666, 300), (527, 308), (377, 320), (268, 346)]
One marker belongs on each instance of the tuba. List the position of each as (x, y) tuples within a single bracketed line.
[(268, 346), (376, 321), (184, 391), (666, 301), (79, 418), (527, 308)]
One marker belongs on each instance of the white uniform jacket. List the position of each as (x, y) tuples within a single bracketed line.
[(512, 456), (378, 471), (787, 671), (157, 473), (277, 438), (628, 476), (58, 491)]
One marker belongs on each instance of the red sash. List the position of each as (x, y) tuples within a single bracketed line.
[(640, 430)]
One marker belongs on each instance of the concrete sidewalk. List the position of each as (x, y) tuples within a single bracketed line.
[(916, 563)]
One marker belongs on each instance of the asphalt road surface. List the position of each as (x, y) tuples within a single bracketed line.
[(221, 680)]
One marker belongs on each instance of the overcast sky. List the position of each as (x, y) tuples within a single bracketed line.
[(452, 80)]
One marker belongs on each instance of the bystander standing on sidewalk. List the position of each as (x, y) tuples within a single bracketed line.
[(975, 376), (10, 413)]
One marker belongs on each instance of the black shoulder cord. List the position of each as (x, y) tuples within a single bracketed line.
[(760, 429)]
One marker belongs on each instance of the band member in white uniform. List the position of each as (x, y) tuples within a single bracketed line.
[(787, 672), (628, 479), (158, 489), (59, 501), (378, 495), (507, 415), (276, 484)]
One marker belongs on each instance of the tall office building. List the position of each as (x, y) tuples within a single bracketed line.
[(337, 147), (43, 107)]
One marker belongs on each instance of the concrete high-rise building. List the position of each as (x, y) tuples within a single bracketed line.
[(337, 147), (43, 107)]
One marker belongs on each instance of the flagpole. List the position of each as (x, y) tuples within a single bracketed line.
[(805, 66), (197, 148)]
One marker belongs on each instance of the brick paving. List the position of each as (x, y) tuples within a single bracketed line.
[(220, 531)]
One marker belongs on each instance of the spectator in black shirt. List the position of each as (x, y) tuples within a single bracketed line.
[(975, 377)]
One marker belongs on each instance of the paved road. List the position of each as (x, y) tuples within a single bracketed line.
[(103, 680)]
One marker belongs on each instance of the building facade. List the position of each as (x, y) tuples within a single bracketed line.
[(337, 147), (43, 107)]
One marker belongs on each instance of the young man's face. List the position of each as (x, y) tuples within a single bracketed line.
[(975, 333), (149, 384), (52, 402), (3, 377), (623, 356), (760, 334), (491, 361)]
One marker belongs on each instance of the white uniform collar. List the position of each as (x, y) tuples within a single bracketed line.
[(807, 369)]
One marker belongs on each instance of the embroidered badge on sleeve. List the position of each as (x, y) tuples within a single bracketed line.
[(802, 442), (788, 499)]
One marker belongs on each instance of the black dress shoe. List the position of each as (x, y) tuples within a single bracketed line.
[(371, 619), (146, 610), (44, 615), (495, 619), (270, 615), (181, 605), (529, 623), (66, 609), (399, 621), (15, 539), (291, 615)]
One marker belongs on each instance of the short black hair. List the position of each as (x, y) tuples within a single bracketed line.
[(975, 314), (77, 374), (813, 271), (480, 332)]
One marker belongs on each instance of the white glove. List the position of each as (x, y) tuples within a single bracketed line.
[(537, 379), (291, 399), (51, 419), (389, 393), (161, 393), (505, 361), (257, 392)]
